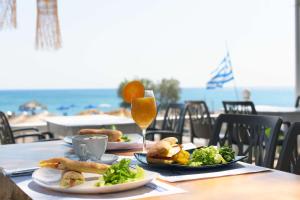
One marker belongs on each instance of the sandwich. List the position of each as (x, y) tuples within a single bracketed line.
[(73, 165), (167, 151), (71, 178), (113, 135)]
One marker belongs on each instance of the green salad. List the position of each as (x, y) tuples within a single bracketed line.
[(125, 138), (211, 155), (121, 172)]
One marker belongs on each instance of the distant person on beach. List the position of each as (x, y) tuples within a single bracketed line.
[(246, 95)]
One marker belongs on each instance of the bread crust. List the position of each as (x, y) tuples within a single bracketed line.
[(171, 140), (73, 165), (160, 149), (71, 178), (159, 160), (113, 135)]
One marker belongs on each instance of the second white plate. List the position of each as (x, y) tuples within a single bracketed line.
[(49, 178), (136, 141)]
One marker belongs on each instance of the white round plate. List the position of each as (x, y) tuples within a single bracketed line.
[(49, 178), (136, 141)]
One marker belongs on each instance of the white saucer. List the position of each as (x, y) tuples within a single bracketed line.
[(107, 158)]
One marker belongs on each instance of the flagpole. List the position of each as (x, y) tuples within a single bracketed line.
[(234, 82)]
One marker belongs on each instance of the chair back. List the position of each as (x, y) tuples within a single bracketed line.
[(261, 134), (6, 135), (239, 107), (297, 102), (200, 120), (174, 117), (289, 158)]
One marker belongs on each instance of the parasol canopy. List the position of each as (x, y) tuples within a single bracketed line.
[(32, 106)]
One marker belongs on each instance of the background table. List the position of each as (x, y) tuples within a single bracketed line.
[(266, 185), (70, 125), (290, 114)]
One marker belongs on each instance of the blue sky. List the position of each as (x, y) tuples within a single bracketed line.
[(107, 41)]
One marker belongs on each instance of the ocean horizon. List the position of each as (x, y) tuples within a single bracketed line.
[(107, 99)]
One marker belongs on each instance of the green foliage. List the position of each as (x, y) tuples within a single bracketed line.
[(167, 91)]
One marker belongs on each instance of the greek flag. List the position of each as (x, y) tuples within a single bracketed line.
[(222, 74)]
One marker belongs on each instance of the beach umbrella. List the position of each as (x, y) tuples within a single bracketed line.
[(63, 109), (32, 106), (90, 106)]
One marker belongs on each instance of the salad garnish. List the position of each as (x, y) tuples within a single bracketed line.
[(211, 155), (121, 172)]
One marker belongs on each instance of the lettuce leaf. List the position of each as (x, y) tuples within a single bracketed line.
[(121, 172)]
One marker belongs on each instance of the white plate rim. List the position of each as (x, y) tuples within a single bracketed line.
[(136, 144), (67, 139)]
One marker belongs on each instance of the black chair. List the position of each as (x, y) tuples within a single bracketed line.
[(200, 120), (7, 134), (248, 107), (173, 122), (297, 102), (289, 158), (259, 147), (239, 107)]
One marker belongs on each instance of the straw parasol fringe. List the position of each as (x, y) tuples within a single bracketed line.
[(8, 14), (48, 34)]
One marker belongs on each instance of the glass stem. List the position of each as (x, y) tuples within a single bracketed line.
[(144, 140)]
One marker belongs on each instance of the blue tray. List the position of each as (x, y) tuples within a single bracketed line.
[(141, 157)]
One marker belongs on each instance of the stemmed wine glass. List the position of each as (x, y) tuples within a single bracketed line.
[(143, 111)]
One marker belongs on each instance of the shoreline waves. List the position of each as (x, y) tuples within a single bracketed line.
[(107, 99)]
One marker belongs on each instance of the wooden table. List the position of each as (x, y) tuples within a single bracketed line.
[(267, 185)]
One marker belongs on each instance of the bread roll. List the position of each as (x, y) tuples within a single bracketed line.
[(160, 149), (171, 140), (163, 151), (113, 135)]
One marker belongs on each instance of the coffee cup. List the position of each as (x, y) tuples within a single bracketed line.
[(89, 146)]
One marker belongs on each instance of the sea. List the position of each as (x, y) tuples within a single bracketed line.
[(75, 100)]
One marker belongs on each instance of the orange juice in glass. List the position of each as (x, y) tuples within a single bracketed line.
[(143, 111)]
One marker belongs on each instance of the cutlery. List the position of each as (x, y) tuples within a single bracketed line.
[(22, 172)]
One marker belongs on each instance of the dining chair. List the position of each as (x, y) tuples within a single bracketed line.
[(260, 147), (173, 122), (239, 107), (248, 107), (289, 158), (200, 120), (7, 134), (297, 102)]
